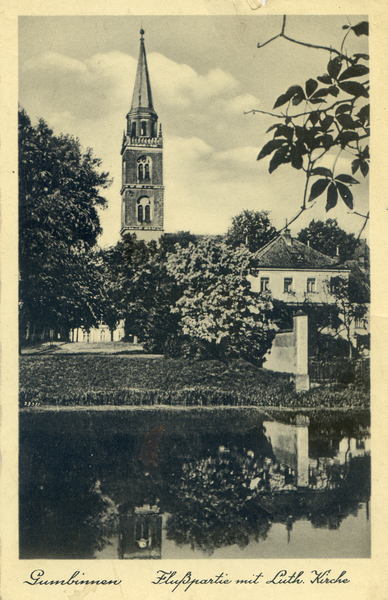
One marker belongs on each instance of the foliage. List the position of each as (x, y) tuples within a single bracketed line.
[(349, 311), (327, 237), (148, 293), (168, 241), (250, 228), (119, 380), (109, 269), (333, 120), (59, 194), (213, 500), (217, 309)]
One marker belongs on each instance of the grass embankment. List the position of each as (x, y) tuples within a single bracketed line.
[(121, 380)]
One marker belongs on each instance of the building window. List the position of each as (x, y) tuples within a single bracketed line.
[(359, 323), (144, 169), (311, 289), (143, 128), (102, 335), (287, 284), (144, 210), (133, 129), (334, 285), (264, 284)]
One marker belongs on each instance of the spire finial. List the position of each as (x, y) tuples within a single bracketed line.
[(142, 32)]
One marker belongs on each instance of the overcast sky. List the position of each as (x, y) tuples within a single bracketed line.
[(78, 74)]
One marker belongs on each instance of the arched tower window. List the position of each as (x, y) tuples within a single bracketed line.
[(133, 129), (144, 210), (144, 169), (143, 128)]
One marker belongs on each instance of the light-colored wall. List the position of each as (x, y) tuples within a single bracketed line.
[(290, 444), (299, 284), (289, 353), (282, 355), (100, 334)]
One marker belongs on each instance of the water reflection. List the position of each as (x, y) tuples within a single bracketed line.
[(126, 486)]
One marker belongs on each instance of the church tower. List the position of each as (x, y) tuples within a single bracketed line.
[(142, 188)]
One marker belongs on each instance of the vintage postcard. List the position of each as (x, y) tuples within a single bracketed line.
[(194, 310)]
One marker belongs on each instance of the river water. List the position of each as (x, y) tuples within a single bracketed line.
[(193, 483)]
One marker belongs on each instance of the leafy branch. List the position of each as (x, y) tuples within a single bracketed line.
[(303, 138)]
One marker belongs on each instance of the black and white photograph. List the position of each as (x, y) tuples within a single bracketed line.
[(194, 288), (193, 300)]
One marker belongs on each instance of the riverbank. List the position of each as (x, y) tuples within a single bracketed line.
[(102, 380)]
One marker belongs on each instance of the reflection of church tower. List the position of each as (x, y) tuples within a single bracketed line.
[(140, 533), (142, 174)]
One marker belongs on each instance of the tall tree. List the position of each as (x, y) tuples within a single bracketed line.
[(111, 289), (59, 194), (327, 237), (218, 312), (252, 229), (148, 292)]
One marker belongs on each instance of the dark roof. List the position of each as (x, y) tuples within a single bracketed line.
[(287, 252), (142, 95)]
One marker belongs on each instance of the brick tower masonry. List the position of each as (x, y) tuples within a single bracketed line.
[(142, 190)]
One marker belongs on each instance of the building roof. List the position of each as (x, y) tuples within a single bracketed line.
[(142, 95), (286, 252)]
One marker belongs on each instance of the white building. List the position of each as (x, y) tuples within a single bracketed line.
[(293, 272)]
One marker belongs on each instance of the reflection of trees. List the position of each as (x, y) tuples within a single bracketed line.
[(220, 484), (325, 508), (345, 499), (232, 498), (62, 511), (65, 516), (214, 502)]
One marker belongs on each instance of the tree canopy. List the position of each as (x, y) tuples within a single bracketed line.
[(217, 309), (250, 228), (349, 311), (59, 196), (327, 237)]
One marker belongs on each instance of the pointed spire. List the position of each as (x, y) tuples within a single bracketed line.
[(142, 96)]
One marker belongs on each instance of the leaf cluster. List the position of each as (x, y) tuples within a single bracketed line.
[(334, 118)]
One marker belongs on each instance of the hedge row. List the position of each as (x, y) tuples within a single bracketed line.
[(285, 396)]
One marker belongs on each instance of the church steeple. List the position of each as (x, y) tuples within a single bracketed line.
[(142, 95), (142, 188), (142, 117)]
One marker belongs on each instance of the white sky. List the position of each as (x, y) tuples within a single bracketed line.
[(78, 74)]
